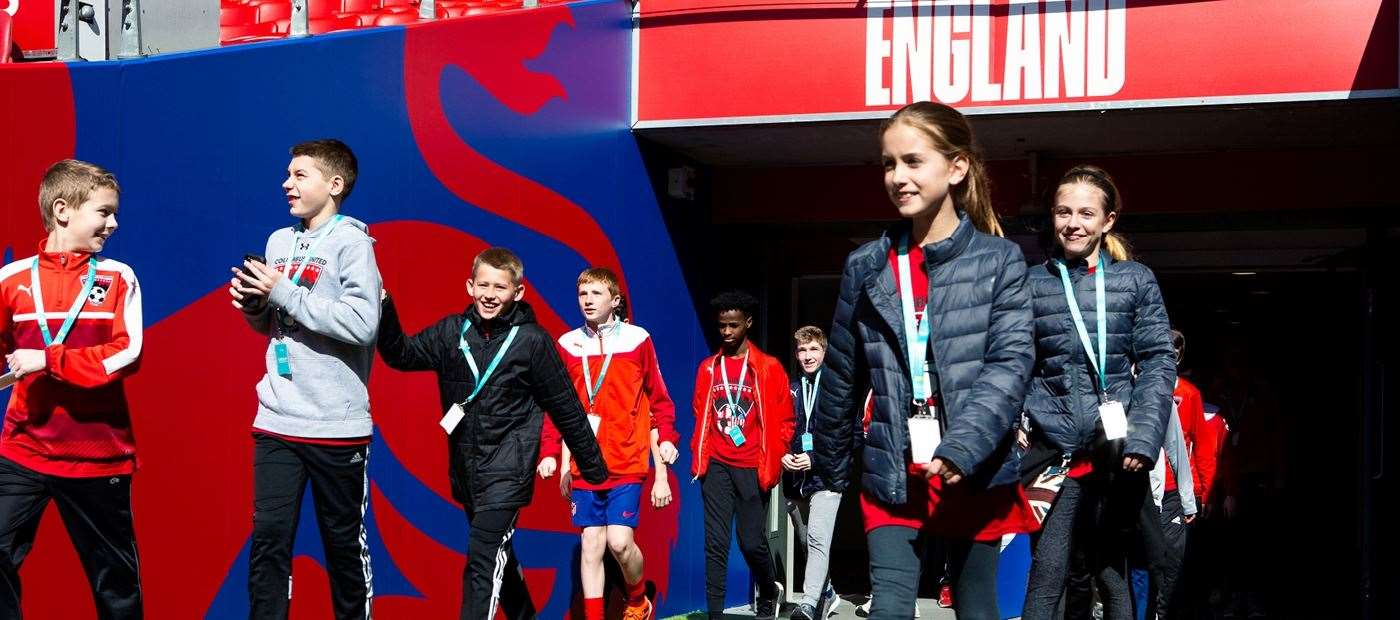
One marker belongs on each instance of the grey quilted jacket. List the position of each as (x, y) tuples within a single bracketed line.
[(982, 346), (1062, 402)]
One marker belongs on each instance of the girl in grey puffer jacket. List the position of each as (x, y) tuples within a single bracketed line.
[(1100, 392)]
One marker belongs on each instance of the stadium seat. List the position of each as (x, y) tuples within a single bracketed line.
[(389, 3), (273, 11), (321, 9), (358, 6), (397, 9), (394, 19), (332, 24), (247, 30), (237, 15), (282, 26), (251, 39)]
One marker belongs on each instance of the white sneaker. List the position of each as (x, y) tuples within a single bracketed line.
[(863, 610), (833, 603), (917, 614)]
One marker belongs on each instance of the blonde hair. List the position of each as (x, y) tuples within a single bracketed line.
[(72, 181), (1098, 178), (809, 333), (503, 259), (951, 135)]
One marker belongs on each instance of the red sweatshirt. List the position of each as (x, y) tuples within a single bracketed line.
[(632, 400), (1191, 410), (71, 420)]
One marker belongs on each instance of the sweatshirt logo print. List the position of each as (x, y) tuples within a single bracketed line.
[(98, 295), (727, 415)]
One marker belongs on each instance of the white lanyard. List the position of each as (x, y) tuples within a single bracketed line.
[(809, 396), (916, 331), (306, 260), (738, 389), (602, 372)]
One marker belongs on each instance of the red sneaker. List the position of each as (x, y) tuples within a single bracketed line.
[(945, 596)]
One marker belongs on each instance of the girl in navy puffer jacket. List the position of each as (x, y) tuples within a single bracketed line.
[(939, 456), (1100, 392)]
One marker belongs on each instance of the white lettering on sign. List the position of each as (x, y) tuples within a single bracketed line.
[(946, 50)]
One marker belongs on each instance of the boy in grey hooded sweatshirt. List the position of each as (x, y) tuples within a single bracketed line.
[(317, 299)]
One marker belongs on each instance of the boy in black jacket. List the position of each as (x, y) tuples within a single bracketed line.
[(498, 372)]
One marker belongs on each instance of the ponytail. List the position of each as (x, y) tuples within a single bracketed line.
[(1117, 247), (951, 135)]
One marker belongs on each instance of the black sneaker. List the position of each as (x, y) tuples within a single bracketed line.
[(803, 612), (767, 609)]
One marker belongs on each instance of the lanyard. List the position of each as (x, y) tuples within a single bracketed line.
[(916, 332), (306, 260), (1079, 320), (809, 396), (603, 372), (50, 340), (738, 389), (471, 363)]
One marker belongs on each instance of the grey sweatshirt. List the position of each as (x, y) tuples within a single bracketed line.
[(1174, 448), (329, 324)]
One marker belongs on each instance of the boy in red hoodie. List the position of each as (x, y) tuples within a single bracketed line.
[(743, 423), (615, 373), (70, 330)]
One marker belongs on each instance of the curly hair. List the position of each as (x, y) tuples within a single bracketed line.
[(735, 300)]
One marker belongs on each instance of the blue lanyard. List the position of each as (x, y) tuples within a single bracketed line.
[(306, 260), (733, 399), (471, 363), (603, 372), (1102, 363), (49, 339), (916, 332), (809, 396)]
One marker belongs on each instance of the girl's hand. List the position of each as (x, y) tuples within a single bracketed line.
[(1133, 463), (1023, 440), (940, 467)]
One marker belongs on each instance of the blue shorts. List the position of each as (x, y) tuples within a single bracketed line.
[(619, 505)]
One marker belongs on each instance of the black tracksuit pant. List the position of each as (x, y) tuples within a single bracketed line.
[(97, 514), (339, 477), (492, 578), (728, 492)]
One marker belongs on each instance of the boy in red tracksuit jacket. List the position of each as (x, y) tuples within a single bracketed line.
[(70, 330), (743, 423), (615, 373)]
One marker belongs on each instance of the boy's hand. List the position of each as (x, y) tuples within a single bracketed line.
[(566, 483), (257, 277), (796, 462), (245, 299), (660, 492), (26, 362), (942, 468), (547, 467), (668, 452)]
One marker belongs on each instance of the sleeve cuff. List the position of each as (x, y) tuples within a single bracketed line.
[(282, 292)]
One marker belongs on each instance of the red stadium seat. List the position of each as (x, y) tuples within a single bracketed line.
[(252, 39), (389, 3), (332, 24), (397, 9), (273, 11), (237, 15), (247, 30), (320, 9), (394, 19), (358, 6), (282, 26)]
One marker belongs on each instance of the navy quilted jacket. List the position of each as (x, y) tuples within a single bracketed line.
[(1062, 402), (983, 348)]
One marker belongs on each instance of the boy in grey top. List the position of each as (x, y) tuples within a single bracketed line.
[(316, 296)]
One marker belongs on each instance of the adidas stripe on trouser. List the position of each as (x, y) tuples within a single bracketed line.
[(492, 578), (339, 478)]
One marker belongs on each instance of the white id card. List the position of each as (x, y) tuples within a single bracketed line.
[(593, 422), (1115, 420), (454, 417), (7, 380), (924, 437)]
